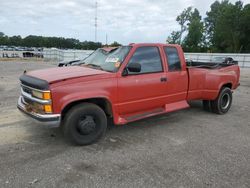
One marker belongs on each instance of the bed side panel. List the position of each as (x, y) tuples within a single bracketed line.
[(206, 83)]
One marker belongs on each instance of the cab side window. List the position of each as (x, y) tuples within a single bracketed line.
[(174, 63), (149, 58)]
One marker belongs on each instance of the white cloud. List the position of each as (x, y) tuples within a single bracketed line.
[(123, 20)]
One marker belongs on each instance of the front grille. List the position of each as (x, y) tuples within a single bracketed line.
[(26, 89), (31, 106), (27, 101)]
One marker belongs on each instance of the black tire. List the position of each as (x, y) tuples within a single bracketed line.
[(223, 102), (84, 124), (206, 105), (111, 123)]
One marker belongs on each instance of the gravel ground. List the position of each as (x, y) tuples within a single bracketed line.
[(189, 148)]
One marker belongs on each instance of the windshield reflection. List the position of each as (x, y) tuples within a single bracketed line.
[(107, 60)]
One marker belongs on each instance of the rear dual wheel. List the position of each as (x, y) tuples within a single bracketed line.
[(221, 104)]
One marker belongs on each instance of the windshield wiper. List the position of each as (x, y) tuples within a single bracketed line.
[(98, 67), (81, 63)]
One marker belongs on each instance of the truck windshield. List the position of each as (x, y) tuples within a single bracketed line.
[(107, 60)]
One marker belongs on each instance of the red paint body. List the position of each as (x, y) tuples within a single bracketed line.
[(135, 97)]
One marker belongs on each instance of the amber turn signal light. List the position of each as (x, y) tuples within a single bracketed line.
[(47, 108), (46, 95)]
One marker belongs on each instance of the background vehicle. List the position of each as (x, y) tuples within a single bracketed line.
[(68, 63), (226, 60), (125, 84)]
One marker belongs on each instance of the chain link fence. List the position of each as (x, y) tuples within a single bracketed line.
[(54, 54), (65, 55)]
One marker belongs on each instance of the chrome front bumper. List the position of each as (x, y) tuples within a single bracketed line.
[(52, 120)]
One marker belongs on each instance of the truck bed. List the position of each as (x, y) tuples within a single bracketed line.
[(208, 65)]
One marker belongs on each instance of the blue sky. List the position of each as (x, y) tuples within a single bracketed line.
[(124, 21)]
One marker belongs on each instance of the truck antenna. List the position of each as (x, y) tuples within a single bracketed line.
[(96, 6)]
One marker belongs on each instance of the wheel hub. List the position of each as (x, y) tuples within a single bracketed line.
[(225, 101), (86, 125)]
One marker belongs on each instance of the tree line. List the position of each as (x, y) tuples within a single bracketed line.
[(225, 28), (48, 42)]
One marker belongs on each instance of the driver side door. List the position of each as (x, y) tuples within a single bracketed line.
[(146, 90)]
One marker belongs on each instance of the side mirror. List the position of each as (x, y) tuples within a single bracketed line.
[(134, 67)]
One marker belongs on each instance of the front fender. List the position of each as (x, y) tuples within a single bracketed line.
[(79, 96)]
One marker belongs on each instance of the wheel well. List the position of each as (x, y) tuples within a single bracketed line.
[(101, 102), (229, 85)]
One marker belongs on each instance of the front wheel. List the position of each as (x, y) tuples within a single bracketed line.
[(223, 102), (84, 124)]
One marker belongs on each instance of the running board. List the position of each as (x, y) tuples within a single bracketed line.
[(145, 114), (168, 108), (176, 106)]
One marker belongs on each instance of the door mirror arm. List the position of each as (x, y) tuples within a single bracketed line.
[(125, 72)]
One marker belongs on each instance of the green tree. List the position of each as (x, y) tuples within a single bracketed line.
[(15, 40), (245, 30), (4, 40), (174, 37), (1, 34), (41, 41), (183, 20), (193, 40), (223, 26), (115, 44)]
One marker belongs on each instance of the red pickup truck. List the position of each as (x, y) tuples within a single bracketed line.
[(124, 84)]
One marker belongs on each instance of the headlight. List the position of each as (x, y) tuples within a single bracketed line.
[(37, 94), (41, 95)]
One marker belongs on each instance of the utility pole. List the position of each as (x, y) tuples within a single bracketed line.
[(96, 6), (106, 39)]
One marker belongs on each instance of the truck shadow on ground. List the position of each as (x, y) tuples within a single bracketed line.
[(51, 142), (117, 135)]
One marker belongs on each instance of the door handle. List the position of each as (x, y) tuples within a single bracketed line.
[(164, 79)]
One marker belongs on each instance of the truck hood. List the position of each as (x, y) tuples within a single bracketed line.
[(52, 75)]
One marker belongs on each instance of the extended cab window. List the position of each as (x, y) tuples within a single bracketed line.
[(149, 58), (174, 63)]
